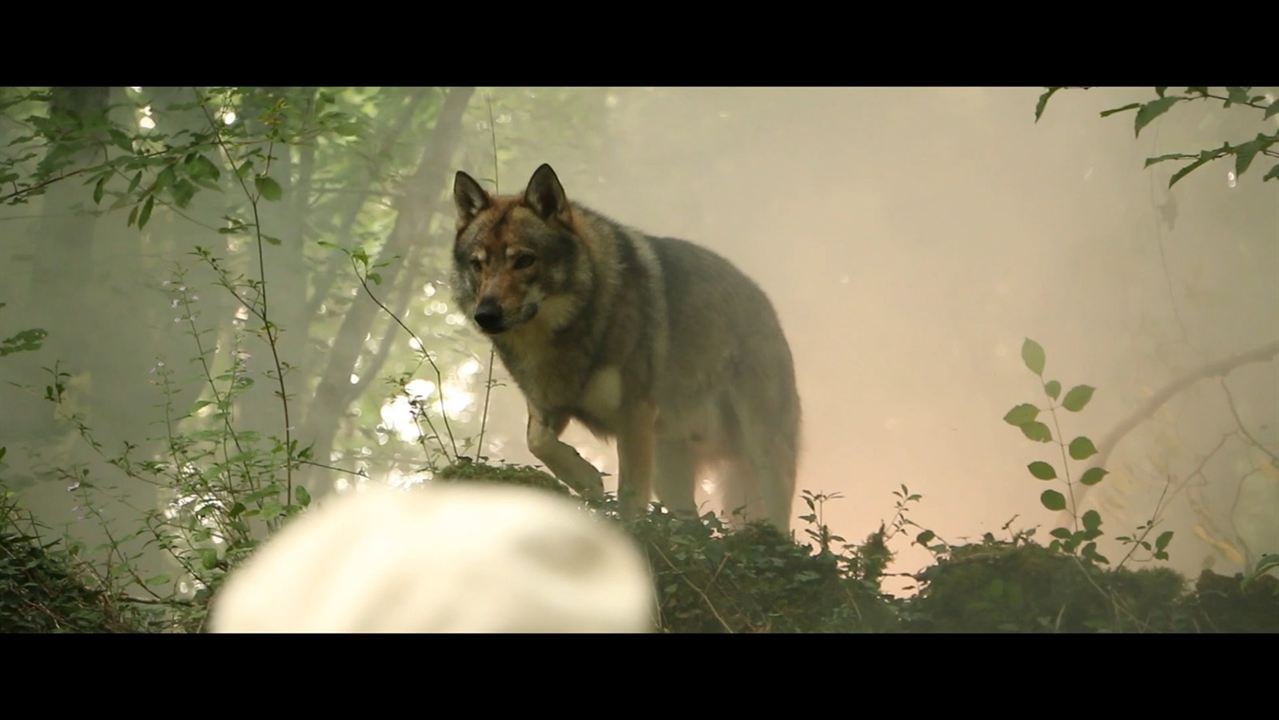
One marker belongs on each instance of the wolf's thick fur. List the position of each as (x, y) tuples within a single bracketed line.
[(655, 341)]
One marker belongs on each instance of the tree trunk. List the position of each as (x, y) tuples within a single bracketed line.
[(414, 209)]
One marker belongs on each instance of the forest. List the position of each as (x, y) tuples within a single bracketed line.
[(1035, 335)]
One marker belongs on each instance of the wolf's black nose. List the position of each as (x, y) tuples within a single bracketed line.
[(489, 316)]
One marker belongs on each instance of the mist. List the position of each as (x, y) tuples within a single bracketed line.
[(910, 239)]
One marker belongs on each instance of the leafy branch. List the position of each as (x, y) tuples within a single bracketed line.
[(1244, 153)]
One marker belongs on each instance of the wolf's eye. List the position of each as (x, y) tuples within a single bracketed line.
[(476, 265), (523, 261)]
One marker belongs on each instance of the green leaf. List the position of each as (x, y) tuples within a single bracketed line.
[(1164, 538), (1245, 153), (1236, 95), (1037, 431), (268, 187), (137, 178), (1061, 533), (1271, 110), (1274, 173), (1160, 90), (121, 140), (1082, 448), (1152, 110), (1267, 563), (1090, 552), (1043, 102), (1092, 476), (1042, 470), (25, 341), (376, 278), (182, 192), (1033, 355), (271, 510), (925, 537), (1163, 158), (304, 497), (1197, 90), (201, 167), (1053, 500), (271, 239), (1204, 157), (145, 215), (133, 216), (1186, 171), (1021, 414), (1052, 389), (1091, 520), (1112, 111), (166, 177), (1078, 397), (208, 558), (99, 189)]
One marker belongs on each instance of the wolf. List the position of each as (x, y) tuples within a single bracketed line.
[(654, 341)]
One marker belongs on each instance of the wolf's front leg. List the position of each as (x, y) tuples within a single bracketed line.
[(559, 457), (635, 451)]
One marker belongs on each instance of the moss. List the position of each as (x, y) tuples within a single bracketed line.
[(467, 471)]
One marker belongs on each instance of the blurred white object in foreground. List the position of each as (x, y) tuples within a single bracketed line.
[(453, 558)]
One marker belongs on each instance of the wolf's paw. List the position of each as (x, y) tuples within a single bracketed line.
[(588, 483)]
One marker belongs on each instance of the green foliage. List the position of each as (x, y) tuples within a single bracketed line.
[(222, 489), (45, 588), (1077, 398), (1072, 540), (1033, 355), (1053, 500), (998, 586), (1235, 604), (1080, 539), (25, 341), (1042, 470), (1243, 152), (710, 577)]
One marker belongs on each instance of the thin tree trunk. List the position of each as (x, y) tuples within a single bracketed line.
[(414, 209)]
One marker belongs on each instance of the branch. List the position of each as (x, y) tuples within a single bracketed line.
[(1230, 399), (1219, 368)]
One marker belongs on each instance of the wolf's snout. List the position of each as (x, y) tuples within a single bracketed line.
[(488, 315)]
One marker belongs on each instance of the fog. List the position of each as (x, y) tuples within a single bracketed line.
[(910, 239)]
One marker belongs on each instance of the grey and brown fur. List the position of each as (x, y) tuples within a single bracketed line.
[(656, 342)]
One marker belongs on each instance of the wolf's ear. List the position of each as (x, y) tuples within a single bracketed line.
[(545, 196), (469, 196)]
